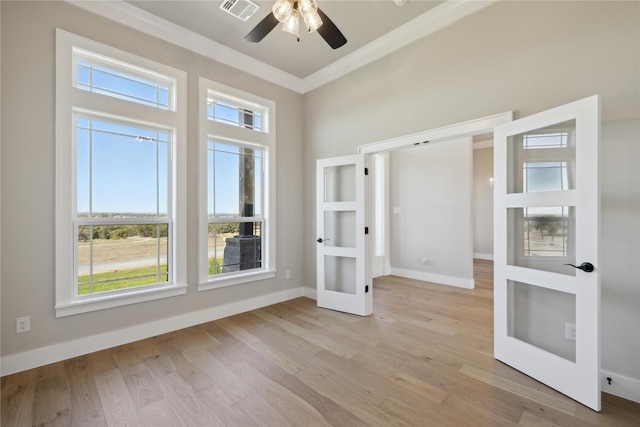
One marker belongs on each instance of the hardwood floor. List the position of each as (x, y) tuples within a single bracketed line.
[(423, 359)]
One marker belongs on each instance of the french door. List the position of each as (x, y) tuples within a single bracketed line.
[(546, 220), (343, 279)]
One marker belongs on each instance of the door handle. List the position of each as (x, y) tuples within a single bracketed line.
[(587, 267), (320, 240)]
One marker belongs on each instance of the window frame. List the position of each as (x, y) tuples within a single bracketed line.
[(71, 101), (240, 103), (241, 136)]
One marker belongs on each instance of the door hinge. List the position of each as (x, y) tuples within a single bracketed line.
[(366, 230), (366, 289), (366, 171)]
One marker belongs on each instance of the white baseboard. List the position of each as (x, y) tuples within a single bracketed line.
[(434, 278), (488, 257), (310, 293), (621, 386), (62, 351)]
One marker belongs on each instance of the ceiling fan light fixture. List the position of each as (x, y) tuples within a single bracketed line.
[(312, 20), (308, 6), (282, 10), (292, 24), (288, 13)]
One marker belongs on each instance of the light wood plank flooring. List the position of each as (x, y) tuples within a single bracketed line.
[(423, 359)]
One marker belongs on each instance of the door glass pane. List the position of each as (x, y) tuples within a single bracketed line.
[(542, 317), (340, 274), (542, 238), (542, 159), (340, 183), (340, 228)]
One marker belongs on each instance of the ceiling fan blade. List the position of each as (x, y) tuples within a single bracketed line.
[(263, 28), (329, 32)]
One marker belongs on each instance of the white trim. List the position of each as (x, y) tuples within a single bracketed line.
[(485, 143), (311, 293), (70, 100), (457, 130), (237, 279), (237, 135), (62, 351), (424, 25), (131, 16), (478, 255), (621, 386), (133, 296), (458, 282)]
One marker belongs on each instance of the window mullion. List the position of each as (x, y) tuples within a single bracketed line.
[(90, 168)]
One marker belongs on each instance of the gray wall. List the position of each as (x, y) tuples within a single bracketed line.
[(431, 184), (520, 56), (28, 30), (483, 202)]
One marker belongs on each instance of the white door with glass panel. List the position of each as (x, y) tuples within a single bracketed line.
[(343, 279), (546, 284)]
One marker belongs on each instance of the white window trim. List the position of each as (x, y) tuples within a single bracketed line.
[(242, 103), (267, 138), (70, 99)]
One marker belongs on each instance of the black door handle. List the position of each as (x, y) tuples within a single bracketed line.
[(320, 240), (587, 267)]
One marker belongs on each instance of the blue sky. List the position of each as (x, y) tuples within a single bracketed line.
[(128, 168), (122, 168)]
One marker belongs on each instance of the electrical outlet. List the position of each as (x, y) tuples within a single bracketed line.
[(570, 331), (287, 275), (425, 261), (23, 324)]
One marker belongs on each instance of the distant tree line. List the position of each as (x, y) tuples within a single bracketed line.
[(224, 228), (123, 231), (551, 225)]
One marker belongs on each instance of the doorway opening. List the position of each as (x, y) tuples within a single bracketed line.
[(426, 207)]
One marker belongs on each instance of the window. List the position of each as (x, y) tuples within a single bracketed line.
[(222, 109), (98, 74), (120, 166), (236, 224)]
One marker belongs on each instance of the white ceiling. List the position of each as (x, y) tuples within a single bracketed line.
[(373, 28)]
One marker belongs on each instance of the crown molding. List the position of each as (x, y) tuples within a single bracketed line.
[(131, 16), (441, 16)]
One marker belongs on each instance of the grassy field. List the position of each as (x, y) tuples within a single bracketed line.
[(121, 279), (133, 247), (114, 250)]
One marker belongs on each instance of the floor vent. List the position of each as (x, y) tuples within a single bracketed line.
[(241, 9)]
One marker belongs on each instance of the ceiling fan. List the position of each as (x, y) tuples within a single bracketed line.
[(288, 13)]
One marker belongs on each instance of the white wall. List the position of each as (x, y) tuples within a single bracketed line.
[(520, 56), (28, 31), (483, 203), (430, 192)]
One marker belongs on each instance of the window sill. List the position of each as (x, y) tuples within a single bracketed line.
[(236, 279), (117, 300)]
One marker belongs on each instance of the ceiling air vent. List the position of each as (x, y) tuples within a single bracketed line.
[(241, 9)]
